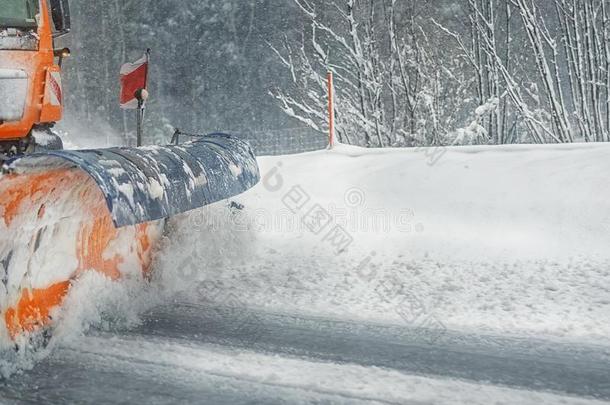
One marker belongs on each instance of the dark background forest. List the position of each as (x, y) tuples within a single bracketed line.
[(211, 66)]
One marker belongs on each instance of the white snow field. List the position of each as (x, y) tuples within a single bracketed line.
[(503, 240)]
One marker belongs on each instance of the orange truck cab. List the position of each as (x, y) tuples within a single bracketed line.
[(31, 96)]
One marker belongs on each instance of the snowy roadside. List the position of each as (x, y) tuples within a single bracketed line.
[(508, 240)]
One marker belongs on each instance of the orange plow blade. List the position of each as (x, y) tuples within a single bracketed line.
[(64, 213), (55, 226)]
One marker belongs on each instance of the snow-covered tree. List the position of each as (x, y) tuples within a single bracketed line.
[(545, 65), (393, 85)]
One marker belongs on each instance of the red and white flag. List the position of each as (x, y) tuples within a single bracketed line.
[(134, 77)]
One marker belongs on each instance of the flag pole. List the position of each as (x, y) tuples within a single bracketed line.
[(142, 96), (139, 123)]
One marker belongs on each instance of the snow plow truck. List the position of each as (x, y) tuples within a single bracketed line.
[(66, 213)]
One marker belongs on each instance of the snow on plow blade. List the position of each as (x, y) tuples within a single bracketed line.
[(150, 183)]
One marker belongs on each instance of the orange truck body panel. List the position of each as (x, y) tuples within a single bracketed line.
[(38, 65)]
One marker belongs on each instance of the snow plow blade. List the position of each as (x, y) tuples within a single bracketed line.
[(67, 214), (151, 183)]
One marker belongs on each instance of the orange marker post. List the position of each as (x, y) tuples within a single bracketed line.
[(331, 111)]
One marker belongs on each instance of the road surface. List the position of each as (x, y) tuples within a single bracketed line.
[(193, 353)]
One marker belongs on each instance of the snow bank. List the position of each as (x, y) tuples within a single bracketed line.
[(486, 239)]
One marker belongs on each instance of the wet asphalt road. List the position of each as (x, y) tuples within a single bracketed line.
[(78, 375)]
